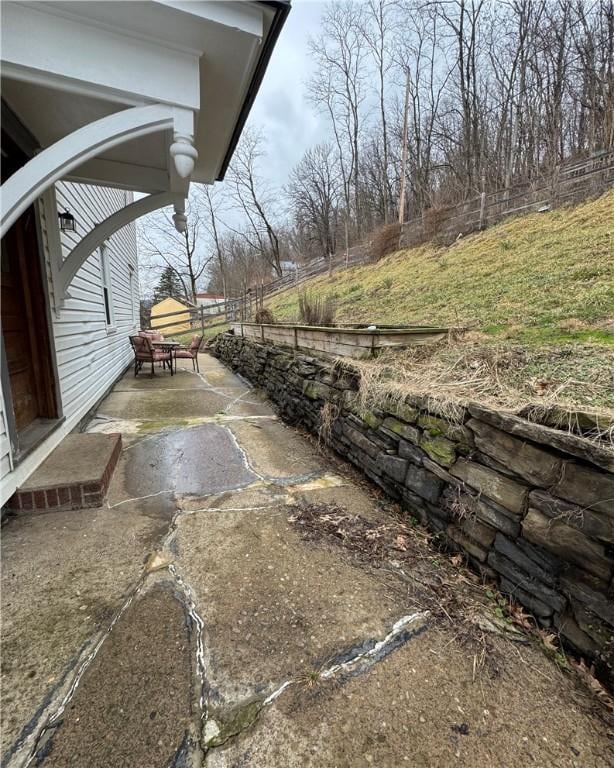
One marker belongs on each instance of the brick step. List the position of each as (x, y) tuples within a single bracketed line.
[(75, 475)]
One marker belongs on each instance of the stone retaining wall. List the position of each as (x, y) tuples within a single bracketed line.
[(529, 505)]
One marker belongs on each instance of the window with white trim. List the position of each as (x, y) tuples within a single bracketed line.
[(107, 293), (133, 296)]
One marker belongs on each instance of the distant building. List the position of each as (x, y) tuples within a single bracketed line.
[(207, 299), (288, 267), (178, 324)]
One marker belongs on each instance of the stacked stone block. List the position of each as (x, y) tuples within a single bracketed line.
[(531, 506)]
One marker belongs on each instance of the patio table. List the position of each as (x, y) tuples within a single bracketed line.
[(168, 346)]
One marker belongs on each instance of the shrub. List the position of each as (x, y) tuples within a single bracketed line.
[(383, 241), (315, 310), (265, 316), (434, 220)]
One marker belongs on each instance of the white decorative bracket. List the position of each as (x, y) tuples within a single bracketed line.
[(184, 155), (183, 159), (101, 232), (181, 221), (29, 182), (179, 217)]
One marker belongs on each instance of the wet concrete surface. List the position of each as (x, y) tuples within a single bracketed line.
[(276, 450), (164, 404), (196, 461), (64, 575), (189, 623), (134, 706)]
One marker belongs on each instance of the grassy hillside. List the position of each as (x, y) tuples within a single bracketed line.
[(538, 288), (186, 336), (541, 277)]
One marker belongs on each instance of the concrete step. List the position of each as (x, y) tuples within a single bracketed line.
[(75, 475)]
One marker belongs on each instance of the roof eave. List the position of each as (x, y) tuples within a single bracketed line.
[(282, 8)]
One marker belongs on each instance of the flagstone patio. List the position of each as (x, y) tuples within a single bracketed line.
[(189, 622)]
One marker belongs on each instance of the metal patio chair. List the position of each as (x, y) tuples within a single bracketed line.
[(145, 353), (190, 352)]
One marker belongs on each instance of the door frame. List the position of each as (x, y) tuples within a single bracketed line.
[(16, 131), (7, 402)]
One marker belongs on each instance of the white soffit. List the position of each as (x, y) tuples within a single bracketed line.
[(65, 64)]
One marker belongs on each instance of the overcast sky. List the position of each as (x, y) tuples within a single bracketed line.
[(288, 121)]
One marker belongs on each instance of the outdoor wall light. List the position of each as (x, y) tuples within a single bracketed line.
[(67, 222)]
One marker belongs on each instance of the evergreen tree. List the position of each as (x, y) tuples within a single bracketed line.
[(169, 286)]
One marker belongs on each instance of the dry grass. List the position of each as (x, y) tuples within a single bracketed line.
[(315, 309), (466, 368), (328, 415), (265, 316), (384, 241), (540, 289), (540, 277)]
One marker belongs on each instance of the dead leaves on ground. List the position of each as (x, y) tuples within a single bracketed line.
[(401, 543), (368, 540), (587, 675), (548, 640), (435, 581)]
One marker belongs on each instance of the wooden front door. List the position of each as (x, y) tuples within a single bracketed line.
[(25, 329)]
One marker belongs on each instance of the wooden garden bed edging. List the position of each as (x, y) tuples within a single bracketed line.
[(357, 343)]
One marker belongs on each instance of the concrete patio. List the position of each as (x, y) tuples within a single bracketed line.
[(189, 622)]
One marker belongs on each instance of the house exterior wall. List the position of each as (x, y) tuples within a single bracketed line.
[(5, 450), (203, 300), (90, 354)]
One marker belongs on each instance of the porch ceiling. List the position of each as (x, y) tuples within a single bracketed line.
[(51, 113), (67, 64)]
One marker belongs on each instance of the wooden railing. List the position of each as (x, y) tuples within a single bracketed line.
[(201, 317), (572, 182)]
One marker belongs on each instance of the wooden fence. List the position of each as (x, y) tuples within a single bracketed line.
[(201, 317), (237, 309), (571, 183)]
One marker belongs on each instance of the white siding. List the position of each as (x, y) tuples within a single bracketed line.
[(5, 448), (89, 355)]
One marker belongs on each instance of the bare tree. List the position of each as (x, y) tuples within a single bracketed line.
[(377, 30), (209, 198), (314, 191), (428, 102), (338, 89), (161, 245), (593, 75), (256, 201), (426, 73), (242, 268)]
